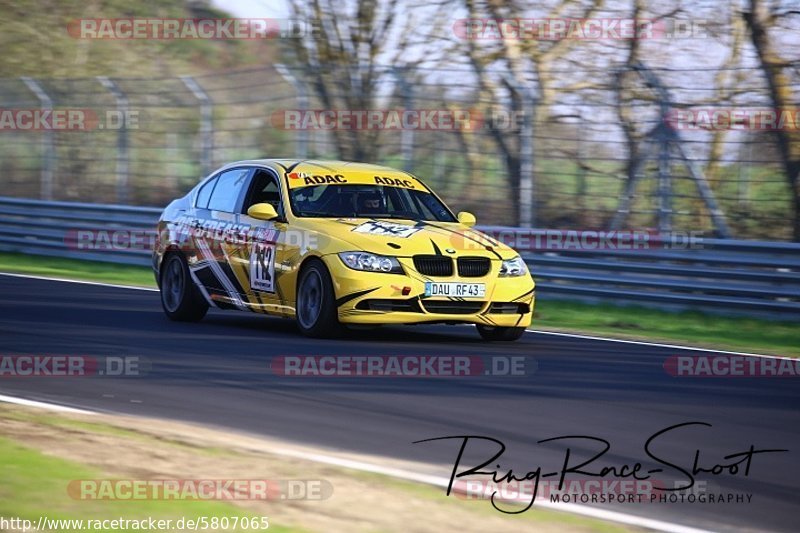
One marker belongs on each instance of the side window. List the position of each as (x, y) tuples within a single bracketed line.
[(205, 193), (229, 186), (264, 189), (394, 199), (423, 207)]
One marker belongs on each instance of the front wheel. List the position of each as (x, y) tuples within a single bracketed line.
[(490, 333), (316, 302), (180, 298)]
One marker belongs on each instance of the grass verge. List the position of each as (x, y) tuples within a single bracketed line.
[(35, 485), (76, 269), (687, 327), (44, 452), (627, 322)]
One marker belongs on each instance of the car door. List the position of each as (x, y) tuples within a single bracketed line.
[(271, 251), (220, 239)]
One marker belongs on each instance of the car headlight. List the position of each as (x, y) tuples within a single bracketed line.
[(371, 262), (513, 267)]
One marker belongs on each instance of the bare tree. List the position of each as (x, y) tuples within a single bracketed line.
[(762, 22), (530, 66), (346, 58)]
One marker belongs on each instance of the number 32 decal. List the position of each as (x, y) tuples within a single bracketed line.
[(262, 267)]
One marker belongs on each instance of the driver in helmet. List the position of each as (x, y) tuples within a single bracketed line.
[(370, 203)]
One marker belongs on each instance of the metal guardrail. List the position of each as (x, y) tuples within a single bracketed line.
[(52, 228), (713, 274)]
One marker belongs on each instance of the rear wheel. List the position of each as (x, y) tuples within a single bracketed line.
[(490, 333), (180, 298), (316, 302)]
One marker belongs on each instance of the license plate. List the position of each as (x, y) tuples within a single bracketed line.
[(459, 290)]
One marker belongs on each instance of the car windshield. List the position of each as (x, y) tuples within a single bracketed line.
[(368, 201)]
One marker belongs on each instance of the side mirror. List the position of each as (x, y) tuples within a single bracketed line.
[(467, 218), (262, 212)]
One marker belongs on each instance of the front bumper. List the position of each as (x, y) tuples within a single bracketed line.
[(377, 298)]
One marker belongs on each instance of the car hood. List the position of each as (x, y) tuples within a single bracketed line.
[(405, 238)]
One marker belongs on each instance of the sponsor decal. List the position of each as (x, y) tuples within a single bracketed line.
[(214, 230), (324, 180), (395, 182), (262, 267), (386, 229), (304, 179)]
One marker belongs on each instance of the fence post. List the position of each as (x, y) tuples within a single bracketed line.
[(206, 124), (581, 186), (439, 160), (717, 215), (527, 179), (664, 185), (48, 145), (172, 159), (666, 134), (527, 185), (743, 189), (301, 97), (629, 188), (123, 147)]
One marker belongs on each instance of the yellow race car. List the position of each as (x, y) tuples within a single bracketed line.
[(330, 244)]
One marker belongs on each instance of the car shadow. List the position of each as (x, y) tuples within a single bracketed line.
[(405, 334)]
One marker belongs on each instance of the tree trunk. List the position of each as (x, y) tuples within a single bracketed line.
[(780, 95)]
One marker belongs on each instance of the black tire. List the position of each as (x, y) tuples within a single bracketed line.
[(499, 333), (317, 314), (180, 298)]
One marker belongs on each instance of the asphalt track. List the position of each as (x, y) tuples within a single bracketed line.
[(218, 372)]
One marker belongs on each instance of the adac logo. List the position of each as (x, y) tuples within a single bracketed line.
[(297, 175)]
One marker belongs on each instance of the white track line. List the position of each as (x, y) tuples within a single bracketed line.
[(657, 344), (407, 475), (44, 405), (537, 331), (79, 281), (442, 482)]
